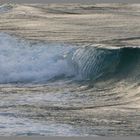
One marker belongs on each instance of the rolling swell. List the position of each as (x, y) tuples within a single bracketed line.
[(93, 63)]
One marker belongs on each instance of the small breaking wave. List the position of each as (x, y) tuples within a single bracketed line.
[(6, 7), (93, 63)]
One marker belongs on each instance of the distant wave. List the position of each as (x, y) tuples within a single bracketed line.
[(6, 7)]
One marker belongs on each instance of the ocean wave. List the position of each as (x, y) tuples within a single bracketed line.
[(6, 7), (23, 62), (92, 63)]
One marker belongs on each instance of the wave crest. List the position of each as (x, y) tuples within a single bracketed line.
[(92, 63), (21, 61)]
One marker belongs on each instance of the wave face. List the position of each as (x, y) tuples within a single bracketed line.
[(93, 63), (21, 61)]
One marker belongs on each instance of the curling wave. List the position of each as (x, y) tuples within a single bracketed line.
[(92, 63), (21, 61)]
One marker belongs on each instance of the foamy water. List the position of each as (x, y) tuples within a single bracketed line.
[(22, 62)]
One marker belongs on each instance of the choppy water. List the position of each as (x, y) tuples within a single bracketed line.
[(68, 90)]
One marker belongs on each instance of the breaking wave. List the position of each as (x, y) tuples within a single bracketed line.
[(93, 63), (6, 7), (21, 61)]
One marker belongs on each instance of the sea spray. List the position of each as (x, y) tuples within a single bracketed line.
[(21, 61)]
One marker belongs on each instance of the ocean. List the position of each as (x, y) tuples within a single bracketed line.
[(55, 83)]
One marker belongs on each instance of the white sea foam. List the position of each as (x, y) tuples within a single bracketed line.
[(25, 127), (22, 62)]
